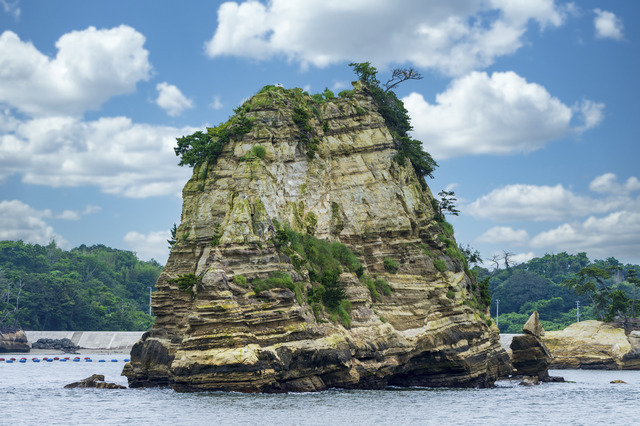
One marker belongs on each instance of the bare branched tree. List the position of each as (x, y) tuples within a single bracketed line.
[(495, 259), (401, 74), (506, 255)]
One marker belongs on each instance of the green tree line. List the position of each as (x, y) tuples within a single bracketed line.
[(605, 290), (93, 288)]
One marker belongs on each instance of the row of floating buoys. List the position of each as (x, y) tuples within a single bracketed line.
[(47, 359)]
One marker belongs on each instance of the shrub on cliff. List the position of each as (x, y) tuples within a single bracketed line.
[(390, 265), (396, 116), (199, 147)]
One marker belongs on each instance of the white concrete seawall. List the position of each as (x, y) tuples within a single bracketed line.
[(98, 340), (505, 339)]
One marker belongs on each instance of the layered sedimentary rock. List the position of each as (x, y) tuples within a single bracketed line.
[(529, 355), (338, 181), (594, 345), (14, 341)]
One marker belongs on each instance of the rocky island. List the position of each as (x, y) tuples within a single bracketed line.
[(311, 254)]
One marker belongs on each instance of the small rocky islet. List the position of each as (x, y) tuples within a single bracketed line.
[(311, 255)]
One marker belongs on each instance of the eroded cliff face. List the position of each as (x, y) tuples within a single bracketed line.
[(337, 181)]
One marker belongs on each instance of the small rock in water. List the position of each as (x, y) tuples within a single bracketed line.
[(618, 381), (95, 381), (530, 381)]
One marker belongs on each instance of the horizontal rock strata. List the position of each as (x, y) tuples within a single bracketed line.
[(429, 331)]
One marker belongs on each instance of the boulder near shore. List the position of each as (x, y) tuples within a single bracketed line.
[(594, 345), (530, 356), (14, 342)]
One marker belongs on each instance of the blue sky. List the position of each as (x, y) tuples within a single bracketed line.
[(529, 107)]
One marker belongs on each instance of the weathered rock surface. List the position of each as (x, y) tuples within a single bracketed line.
[(533, 326), (594, 345), (529, 355), (64, 345), (431, 331), (15, 341), (94, 381)]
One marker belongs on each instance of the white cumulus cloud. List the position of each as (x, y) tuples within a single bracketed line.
[(69, 215), (504, 234), (147, 246), (20, 221), (521, 258), (115, 154), (617, 234), (171, 99), (538, 203), (500, 113), (75, 215), (90, 67), (607, 25), (591, 114), (603, 224), (608, 184), (452, 37)]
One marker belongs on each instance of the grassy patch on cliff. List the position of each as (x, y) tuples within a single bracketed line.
[(278, 280), (324, 261), (378, 287)]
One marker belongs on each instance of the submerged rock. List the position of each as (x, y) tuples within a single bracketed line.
[(94, 381), (409, 316), (14, 342)]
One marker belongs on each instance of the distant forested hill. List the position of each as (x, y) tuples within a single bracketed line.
[(86, 288), (547, 284)]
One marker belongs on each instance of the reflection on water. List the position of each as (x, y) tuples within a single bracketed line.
[(32, 393)]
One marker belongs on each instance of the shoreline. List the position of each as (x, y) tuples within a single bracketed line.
[(89, 343), (81, 351)]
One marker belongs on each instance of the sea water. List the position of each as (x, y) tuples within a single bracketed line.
[(33, 393)]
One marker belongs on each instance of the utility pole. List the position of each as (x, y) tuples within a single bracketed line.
[(578, 310), (149, 300), (498, 313)]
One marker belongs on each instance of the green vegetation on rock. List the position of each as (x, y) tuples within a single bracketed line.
[(390, 265), (186, 283), (278, 280), (240, 280), (397, 120), (199, 147), (440, 265), (324, 261)]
